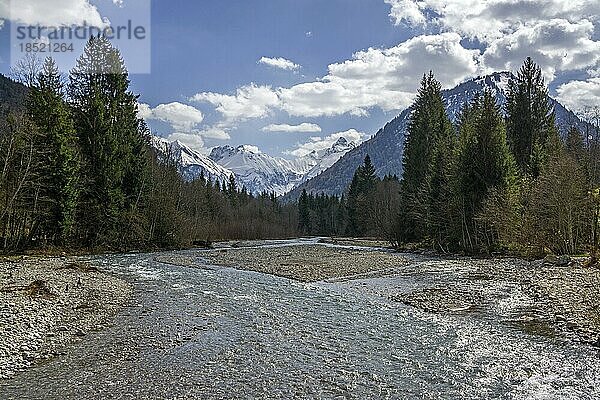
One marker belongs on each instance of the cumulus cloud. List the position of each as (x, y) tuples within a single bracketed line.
[(577, 95), (557, 34), (304, 127), (384, 78), (557, 45), (193, 140), (319, 143), (181, 117), (51, 13), (406, 11), (184, 120), (491, 19), (250, 101), (214, 132), (280, 63)]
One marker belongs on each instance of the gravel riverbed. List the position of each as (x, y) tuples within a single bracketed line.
[(307, 263), (343, 321), (48, 303)]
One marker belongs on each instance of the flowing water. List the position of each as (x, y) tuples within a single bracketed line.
[(211, 332)]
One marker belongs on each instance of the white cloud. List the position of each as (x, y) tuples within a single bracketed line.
[(491, 19), (280, 63), (556, 45), (184, 120), (384, 78), (557, 34), (304, 127), (407, 11), (144, 111), (51, 13), (192, 140), (214, 132), (578, 95), (321, 143), (250, 101), (181, 117)]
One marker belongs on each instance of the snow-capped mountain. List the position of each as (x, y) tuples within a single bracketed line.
[(387, 146), (258, 171), (261, 172), (324, 159), (191, 163)]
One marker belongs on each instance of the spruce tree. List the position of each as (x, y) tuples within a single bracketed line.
[(352, 204), (427, 126), (58, 187), (113, 144), (304, 225), (529, 118), (368, 176), (483, 162)]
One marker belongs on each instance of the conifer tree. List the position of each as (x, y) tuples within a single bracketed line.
[(304, 225), (529, 118), (483, 162), (58, 187), (427, 126), (112, 141), (352, 204)]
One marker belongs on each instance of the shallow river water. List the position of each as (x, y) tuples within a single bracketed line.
[(211, 332)]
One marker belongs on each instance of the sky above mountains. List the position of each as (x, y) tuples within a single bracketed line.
[(291, 76)]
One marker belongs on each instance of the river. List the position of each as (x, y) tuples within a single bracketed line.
[(212, 332)]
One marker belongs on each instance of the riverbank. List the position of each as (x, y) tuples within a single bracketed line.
[(47, 303)]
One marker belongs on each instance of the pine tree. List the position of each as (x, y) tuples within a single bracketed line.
[(427, 126), (529, 118), (352, 204), (58, 190), (368, 176), (304, 225), (483, 162), (113, 144)]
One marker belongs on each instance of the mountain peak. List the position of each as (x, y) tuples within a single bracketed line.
[(386, 148), (341, 141)]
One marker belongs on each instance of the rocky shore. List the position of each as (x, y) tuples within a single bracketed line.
[(46, 303), (555, 298)]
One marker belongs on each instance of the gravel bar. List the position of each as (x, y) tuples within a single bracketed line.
[(47, 303)]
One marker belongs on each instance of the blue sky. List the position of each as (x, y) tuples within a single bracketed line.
[(329, 68)]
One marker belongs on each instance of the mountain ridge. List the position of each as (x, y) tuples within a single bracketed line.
[(386, 148)]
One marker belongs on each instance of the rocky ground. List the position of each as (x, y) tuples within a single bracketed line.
[(565, 298), (46, 303), (305, 263)]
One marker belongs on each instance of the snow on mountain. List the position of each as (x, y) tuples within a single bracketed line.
[(326, 158), (255, 170), (258, 171), (386, 148), (191, 163)]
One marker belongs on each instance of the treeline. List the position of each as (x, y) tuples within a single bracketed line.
[(496, 180), (368, 209), (78, 170)]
